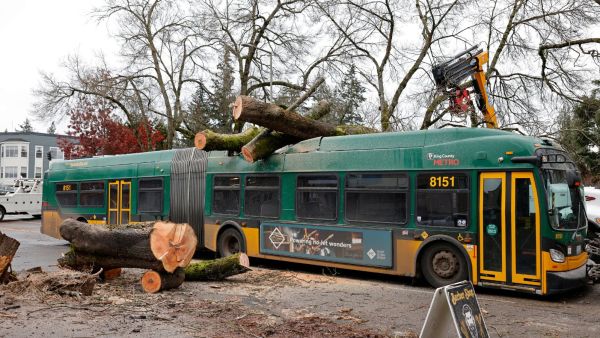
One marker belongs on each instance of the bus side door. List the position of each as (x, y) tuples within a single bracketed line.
[(119, 202), (509, 228)]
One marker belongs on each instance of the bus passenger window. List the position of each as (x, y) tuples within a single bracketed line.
[(91, 194), (374, 197), (226, 195), (262, 196), (443, 199), (316, 197), (66, 194), (150, 195)]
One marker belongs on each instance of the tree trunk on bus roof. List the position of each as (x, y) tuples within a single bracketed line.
[(208, 140), (274, 117), (170, 243), (265, 143)]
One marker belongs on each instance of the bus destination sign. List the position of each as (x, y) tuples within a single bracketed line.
[(341, 245)]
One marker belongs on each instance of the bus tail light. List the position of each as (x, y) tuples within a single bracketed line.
[(44, 205), (557, 256)]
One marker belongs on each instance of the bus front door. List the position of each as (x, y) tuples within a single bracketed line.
[(119, 202), (509, 229)]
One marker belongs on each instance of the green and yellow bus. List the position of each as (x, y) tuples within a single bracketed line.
[(497, 208)]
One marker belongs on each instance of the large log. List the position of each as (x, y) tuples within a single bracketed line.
[(217, 269), (155, 281), (8, 248), (170, 243), (79, 260), (209, 140), (274, 117)]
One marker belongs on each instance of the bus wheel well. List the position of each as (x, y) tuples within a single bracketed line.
[(2, 212), (442, 242), (230, 240), (82, 220)]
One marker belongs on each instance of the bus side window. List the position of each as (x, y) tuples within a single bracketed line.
[(376, 197), (262, 196), (443, 199), (317, 196), (66, 194), (150, 195), (91, 194), (226, 195)]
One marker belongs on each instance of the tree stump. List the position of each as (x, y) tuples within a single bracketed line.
[(154, 281), (8, 248)]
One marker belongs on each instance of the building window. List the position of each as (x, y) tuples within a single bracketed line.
[(11, 151), (91, 194), (10, 172), (23, 172), (316, 197), (39, 151), (150, 195), (373, 197), (66, 194), (38, 172), (55, 153), (443, 199), (24, 151), (226, 195), (262, 196)]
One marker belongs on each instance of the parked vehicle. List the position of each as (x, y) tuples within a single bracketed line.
[(592, 207), (26, 198)]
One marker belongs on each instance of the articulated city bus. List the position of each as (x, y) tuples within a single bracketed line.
[(499, 209)]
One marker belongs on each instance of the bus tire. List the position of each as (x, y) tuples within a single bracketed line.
[(2, 212), (443, 264), (230, 242)]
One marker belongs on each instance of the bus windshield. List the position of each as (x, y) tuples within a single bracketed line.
[(565, 203)]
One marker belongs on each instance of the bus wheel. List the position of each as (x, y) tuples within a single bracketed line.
[(443, 264), (2, 213), (230, 242)]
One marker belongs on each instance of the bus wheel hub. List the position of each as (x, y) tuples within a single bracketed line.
[(445, 264)]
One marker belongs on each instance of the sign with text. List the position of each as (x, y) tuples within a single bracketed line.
[(455, 304), (327, 243)]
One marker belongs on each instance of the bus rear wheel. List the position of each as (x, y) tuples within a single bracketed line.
[(443, 264), (230, 242)]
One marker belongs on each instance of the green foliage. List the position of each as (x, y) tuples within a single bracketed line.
[(211, 110), (580, 134), (26, 126)]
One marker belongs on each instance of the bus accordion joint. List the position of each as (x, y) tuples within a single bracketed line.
[(535, 160)]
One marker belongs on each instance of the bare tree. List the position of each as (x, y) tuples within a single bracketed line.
[(162, 50), (523, 90)]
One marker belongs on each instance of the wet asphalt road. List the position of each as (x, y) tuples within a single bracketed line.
[(36, 249)]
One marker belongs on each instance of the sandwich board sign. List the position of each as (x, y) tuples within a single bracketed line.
[(455, 306)]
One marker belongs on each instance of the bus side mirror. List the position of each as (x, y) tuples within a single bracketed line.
[(573, 178)]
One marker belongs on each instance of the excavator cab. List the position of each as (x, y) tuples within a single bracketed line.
[(450, 77)]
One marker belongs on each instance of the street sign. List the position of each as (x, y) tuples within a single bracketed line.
[(455, 305)]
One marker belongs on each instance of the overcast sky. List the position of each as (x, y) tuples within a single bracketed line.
[(37, 35)]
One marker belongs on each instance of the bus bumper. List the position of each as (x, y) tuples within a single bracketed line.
[(566, 280)]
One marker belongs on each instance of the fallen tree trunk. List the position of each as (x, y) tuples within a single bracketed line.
[(217, 269), (208, 140), (89, 262), (274, 117), (8, 248), (154, 281), (173, 245)]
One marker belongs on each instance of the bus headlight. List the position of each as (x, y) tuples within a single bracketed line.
[(557, 256)]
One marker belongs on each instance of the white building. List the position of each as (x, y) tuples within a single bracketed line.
[(25, 155)]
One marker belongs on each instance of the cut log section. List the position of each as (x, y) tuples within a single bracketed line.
[(274, 117), (111, 274), (82, 261), (265, 143), (173, 245), (8, 248), (208, 140), (218, 269), (154, 281)]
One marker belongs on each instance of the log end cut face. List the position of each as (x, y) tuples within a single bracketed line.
[(173, 244), (151, 281)]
